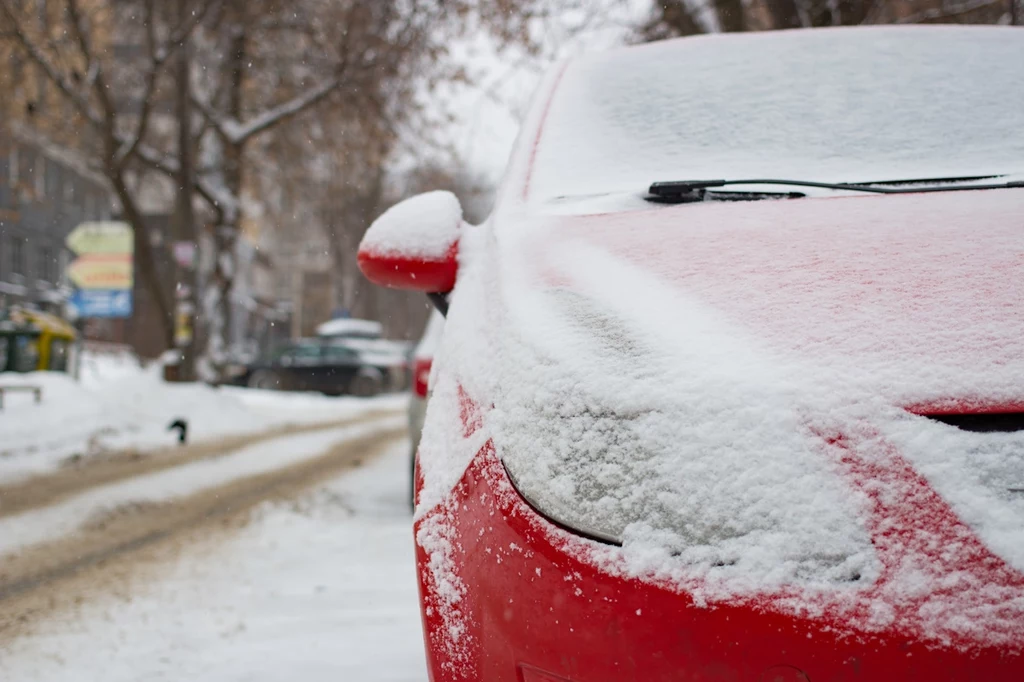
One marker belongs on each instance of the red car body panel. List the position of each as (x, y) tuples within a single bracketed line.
[(536, 612), (421, 376)]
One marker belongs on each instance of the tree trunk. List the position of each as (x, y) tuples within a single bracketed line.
[(784, 13), (227, 234), (145, 261), (731, 16), (185, 227)]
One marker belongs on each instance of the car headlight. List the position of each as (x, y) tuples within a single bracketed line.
[(730, 495)]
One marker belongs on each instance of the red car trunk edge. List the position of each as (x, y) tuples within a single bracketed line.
[(535, 612)]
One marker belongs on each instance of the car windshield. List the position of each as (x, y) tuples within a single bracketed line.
[(843, 105)]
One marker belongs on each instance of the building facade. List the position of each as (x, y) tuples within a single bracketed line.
[(45, 192)]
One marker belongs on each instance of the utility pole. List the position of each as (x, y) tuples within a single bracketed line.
[(185, 233)]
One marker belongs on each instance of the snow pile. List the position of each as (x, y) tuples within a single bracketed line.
[(838, 105), (119, 405), (425, 226)]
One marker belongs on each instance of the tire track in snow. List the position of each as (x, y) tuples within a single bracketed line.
[(105, 558), (47, 489)]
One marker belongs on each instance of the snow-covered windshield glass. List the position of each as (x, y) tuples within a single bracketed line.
[(837, 105)]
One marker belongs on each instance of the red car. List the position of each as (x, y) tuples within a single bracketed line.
[(732, 380)]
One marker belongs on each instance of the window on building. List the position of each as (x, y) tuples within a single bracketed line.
[(17, 250), (25, 174), (53, 180), (44, 264), (63, 260), (6, 197), (40, 177), (12, 165)]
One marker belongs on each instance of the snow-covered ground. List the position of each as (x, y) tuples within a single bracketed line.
[(271, 455), (322, 588), (118, 405)]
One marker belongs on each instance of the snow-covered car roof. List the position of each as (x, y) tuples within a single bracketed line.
[(351, 327)]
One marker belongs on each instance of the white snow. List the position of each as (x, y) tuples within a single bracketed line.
[(319, 590), (118, 405), (425, 226), (50, 523), (833, 105), (427, 346), (351, 327)]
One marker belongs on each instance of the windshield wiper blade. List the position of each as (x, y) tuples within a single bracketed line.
[(684, 191)]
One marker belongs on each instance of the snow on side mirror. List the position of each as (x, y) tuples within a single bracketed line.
[(414, 244)]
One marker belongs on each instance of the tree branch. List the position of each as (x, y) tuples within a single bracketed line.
[(218, 199), (158, 57), (77, 98), (236, 133), (99, 82), (180, 35), (127, 148), (944, 13)]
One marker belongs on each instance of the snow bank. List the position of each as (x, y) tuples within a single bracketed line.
[(424, 226), (119, 405)]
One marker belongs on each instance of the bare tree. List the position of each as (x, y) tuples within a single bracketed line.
[(250, 69), (673, 18), (68, 55)]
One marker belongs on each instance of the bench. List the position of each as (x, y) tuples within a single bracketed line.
[(37, 390)]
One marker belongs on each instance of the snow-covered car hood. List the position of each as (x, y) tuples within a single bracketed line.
[(918, 298), (712, 384)]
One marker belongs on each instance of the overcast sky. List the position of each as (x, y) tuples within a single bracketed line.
[(488, 112)]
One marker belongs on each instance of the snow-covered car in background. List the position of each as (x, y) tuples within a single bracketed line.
[(350, 328), (422, 360), (732, 379), (332, 366)]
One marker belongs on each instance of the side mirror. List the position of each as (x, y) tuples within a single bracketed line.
[(414, 244)]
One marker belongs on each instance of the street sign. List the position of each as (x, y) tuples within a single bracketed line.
[(101, 237), (102, 302), (103, 271)]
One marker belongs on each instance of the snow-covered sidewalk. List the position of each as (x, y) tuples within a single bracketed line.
[(322, 588)]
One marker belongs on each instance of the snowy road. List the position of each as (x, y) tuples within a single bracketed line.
[(286, 558)]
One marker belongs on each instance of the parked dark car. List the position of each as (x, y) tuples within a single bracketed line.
[(330, 366)]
